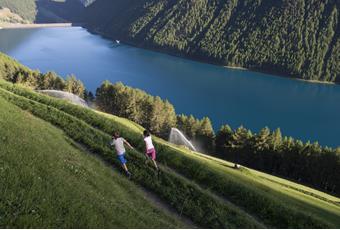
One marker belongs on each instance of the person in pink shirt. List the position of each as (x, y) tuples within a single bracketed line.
[(150, 150)]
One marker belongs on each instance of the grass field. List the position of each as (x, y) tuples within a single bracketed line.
[(48, 183), (293, 195), (205, 189)]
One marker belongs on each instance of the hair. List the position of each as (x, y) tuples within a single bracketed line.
[(116, 134), (146, 133)]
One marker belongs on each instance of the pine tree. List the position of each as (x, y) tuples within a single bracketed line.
[(240, 143), (205, 134), (72, 85), (240, 138), (262, 139), (276, 139), (223, 137), (170, 118), (157, 117)]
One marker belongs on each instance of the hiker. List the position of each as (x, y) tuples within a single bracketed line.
[(119, 142), (150, 151)]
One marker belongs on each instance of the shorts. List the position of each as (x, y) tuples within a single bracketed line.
[(121, 158), (151, 153)]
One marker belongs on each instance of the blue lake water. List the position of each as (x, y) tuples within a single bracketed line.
[(303, 110)]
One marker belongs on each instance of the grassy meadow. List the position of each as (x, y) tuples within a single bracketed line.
[(206, 190), (46, 182)]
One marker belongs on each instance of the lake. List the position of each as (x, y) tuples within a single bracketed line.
[(303, 110)]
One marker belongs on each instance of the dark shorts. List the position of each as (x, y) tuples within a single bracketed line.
[(122, 158), (152, 153)]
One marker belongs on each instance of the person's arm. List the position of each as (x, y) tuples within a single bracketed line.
[(128, 144), (112, 143), (146, 149)]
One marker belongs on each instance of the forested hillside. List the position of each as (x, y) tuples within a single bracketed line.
[(25, 8), (296, 38), (287, 37), (46, 11)]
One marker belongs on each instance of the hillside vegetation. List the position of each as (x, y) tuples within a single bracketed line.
[(27, 9), (288, 37), (293, 38), (6, 16), (11, 70), (267, 151), (234, 198), (46, 182)]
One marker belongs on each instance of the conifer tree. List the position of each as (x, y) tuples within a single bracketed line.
[(262, 139), (75, 86), (205, 134), (223, 137)]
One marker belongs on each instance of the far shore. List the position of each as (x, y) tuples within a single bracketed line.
[(235, 67), (43, 25), (315, 81), (54, 25)]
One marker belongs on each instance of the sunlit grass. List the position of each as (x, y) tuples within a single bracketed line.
[(259, 194), (292, 194), (48, 183)]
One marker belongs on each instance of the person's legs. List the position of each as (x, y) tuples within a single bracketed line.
[(125, 167), (156, 166), (148, 156), (123, 162), (153, 158)]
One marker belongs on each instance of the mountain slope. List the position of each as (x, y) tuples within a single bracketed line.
[(48, 183), (185, 175), (293, 38), (25, 8), (6, 16), (206, 190)]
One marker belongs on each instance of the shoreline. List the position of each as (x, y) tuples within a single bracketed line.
[(93, 31), (32, 26), (316, 81), (153, 49), (235, 67)]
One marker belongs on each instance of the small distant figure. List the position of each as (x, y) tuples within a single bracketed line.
[(150, 151), (119, 142)]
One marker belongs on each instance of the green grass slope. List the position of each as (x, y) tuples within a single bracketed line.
[(205, 189), (48, 183)]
